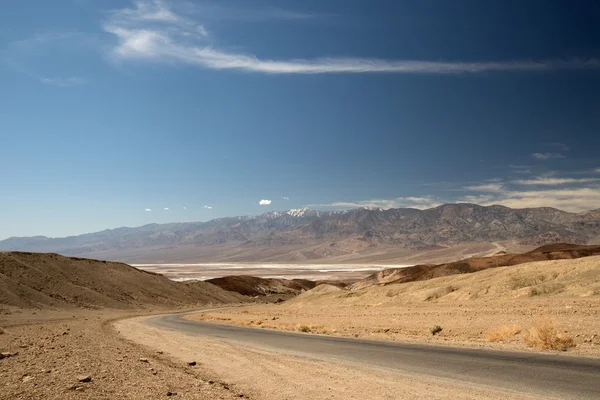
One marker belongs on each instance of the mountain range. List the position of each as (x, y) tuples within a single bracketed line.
[(312, 235)]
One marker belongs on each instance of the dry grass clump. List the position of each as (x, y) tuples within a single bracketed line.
[(544, 336), (2, 331), (502, 333), (434, 330), (304, 328)]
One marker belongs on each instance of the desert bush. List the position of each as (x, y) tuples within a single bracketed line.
[(544, 335), (502, 333), (435, 329), (2, 331), (304, 328)]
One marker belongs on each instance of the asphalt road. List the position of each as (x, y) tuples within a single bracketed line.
[(547, 375)]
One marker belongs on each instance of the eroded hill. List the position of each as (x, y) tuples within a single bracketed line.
[(37, 280)]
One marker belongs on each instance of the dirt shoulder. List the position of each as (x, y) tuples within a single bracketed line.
[(52, 350)]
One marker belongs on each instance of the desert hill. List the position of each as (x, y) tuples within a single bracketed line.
[(558, 251), (36, 280), (255, 286), (307, 235)]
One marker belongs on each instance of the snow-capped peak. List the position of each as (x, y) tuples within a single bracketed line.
[(297, 212)]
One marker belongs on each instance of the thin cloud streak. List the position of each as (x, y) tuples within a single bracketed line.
[(175, 40), (554, 181), (547, 156), (63, 82)]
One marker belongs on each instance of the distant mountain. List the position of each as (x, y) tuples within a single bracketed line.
[(304, 234)]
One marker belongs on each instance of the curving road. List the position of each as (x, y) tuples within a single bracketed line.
[(546, 375)]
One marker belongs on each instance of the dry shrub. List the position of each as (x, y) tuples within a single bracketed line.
[(2, 331), (434, 330), (502, 333), (304, 328), (544, 335)]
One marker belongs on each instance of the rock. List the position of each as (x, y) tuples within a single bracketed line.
[(144, 360), (211, 382), (159, 352), (171, 394), (27, 378), (192, 363), (84, 378), (7, 354)]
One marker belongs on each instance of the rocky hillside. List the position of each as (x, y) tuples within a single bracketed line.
[(320, 234), (33, 280)]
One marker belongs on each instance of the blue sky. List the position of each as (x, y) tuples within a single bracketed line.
[(113, 108)]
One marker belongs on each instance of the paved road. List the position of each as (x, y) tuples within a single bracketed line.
[(557, 376)]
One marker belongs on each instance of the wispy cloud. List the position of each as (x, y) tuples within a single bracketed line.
[(148, 209), (71, 81), (548, 181), (520, 169), (547, 156), (574, 199), (286, 198), (264, 202), (216, 11), (422, 202), (153, 32), (486, 187), (207, 207), (166, 208), (28, 56)]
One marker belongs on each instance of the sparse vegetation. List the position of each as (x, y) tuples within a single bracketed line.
[(304, 328), (435, 329), (2, 331), (502, 333), (545, 336)]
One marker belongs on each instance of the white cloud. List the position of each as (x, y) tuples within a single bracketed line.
[(154, 32), (554, 181), (547, 156), (148, 209), (208, 207), (575, 199), (184, 207), (264, 202), (166, 208), (486, 187), (421, 203), (286, 198)]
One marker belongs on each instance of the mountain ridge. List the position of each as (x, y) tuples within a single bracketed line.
[(321, 234)]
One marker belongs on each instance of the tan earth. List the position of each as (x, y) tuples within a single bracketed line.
[(65, 351), (53, 350), (471, 308)]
